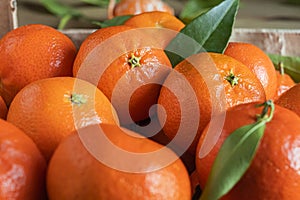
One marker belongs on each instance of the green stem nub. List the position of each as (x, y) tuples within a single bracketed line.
[(265, 114), (77, 99), (232, 79), (134, 61)]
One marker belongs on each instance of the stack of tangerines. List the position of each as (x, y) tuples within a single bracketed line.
[(114, 120)]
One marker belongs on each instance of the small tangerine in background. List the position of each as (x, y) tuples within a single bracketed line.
[(33, 52), (157, 19), (3, 109), (259, 63), (290, 99), (48, 110), (284, 82), (23, 168), (133, 7), (160, 20)]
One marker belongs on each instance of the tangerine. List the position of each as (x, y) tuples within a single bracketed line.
[(274, 171), (258, 61), (126, 66), (33, 52), (22, 166), (49, 109), (133, 7), (284, 82), (218, 83), (75, 172), (289, 99), (157, 19)]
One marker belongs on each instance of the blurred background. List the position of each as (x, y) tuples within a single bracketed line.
[(274, 14)]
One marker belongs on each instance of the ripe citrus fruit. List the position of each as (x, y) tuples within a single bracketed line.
[(75, 173), (131, 69), (22, 168), (234, 79), (284, 82), (274, 171), (155, 19), (159, 20), (290, 99), (33, 52), (47, 110), (258, 61), (3, 109), (133, 7)]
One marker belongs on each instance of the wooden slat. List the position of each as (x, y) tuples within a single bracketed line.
[(8, 16)]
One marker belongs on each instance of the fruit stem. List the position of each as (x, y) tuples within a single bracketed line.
[(264, 114), (134, 61), (281, 68), (76, 98), (232, 79)]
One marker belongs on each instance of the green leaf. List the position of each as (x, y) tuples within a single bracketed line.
[(194, 8), (291, 65), (100, 3), (64, 12), (210, 31), (59, 9), (118, 20), (233, 160)]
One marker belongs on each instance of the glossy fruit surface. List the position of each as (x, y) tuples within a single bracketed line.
[(33, 52), (290, 99), (218, 82), (274, 171), (284, 82), (47, 110), (22, 167), (258, 61), (74, 173), (125, 64)]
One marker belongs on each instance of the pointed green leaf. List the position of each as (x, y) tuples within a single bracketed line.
[(233, 160), (211, 31), (60, 9), (194, 8), (291, 65)]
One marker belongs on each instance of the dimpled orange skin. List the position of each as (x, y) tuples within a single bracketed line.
[(248, 89), (155, 19), (133, 7), (22, 167), (46, 112), (290, 99), (73, 173), (33, 52), (3, 109), (258, 61), (146, 78), (275, 170)]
